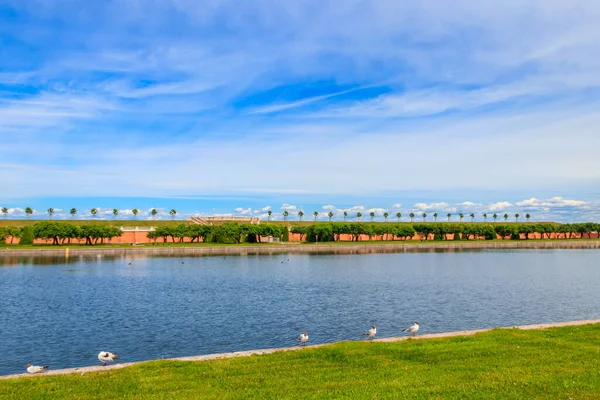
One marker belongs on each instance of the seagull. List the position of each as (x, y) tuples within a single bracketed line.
[(106, 357), (371, 333), (303, 338), (413, 328), (34, 369)]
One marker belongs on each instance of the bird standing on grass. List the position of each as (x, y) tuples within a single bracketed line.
[(303, 338), (106, 357), (413, 328), (34, 369), (371, 332)]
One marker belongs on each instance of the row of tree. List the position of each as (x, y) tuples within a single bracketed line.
[(438, 231), (330, 215), (93, 211), (412, 216), (60, 233), (64, 232), (232, 232)]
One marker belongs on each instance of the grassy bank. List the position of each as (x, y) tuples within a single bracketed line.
[(556, 363)]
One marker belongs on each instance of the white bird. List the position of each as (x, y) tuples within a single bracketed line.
[(413, 328), (303, 338), (34, 369), (106, 357), (371, 333)]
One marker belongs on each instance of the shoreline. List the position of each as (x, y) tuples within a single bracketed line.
[(248, 353), (342, 248)]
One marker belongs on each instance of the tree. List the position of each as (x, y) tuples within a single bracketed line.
[(527, 216), (173, 213), (358, 215), (135, 212), (505, 217), (345, 215), (153, 212), (269, 213), (412, 217), (330, 215), (50, 212), (495, 216), (315, 214), (73, 211), (435, 215), (398, 215), (300, 215), (472, 215), (484, 217), (115, 212), (449, 215), (285, 215), (28, 211), (517, 217), (372, 215), (461, 216), (386, 215), (5, 211), (94, 211), (424, 217)]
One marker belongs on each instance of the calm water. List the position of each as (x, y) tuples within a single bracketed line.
[(63, 313)]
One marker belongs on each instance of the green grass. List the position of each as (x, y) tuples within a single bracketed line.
[(557, 363)]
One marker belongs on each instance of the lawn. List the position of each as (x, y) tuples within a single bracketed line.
[(556, 363)]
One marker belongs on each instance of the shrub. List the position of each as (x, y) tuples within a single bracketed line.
[(26, 236)]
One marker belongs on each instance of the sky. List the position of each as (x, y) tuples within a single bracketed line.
[(217, 107)]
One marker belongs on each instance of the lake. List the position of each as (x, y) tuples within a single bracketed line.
[(62, 312)]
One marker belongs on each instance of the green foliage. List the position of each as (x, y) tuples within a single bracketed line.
[(26, 236), (285, 235)]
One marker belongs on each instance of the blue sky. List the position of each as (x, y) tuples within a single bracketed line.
[(228, 107)]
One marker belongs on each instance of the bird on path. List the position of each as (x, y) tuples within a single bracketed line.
[(303, 338), (414, 328), (34, 369), (107, 356), (371, 332)]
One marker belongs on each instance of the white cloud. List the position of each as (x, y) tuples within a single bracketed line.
[(266, 209), (499, 206), (288, 207), (354, 209), (397, 205), (243, 211), (432, 206), (549, 203)]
